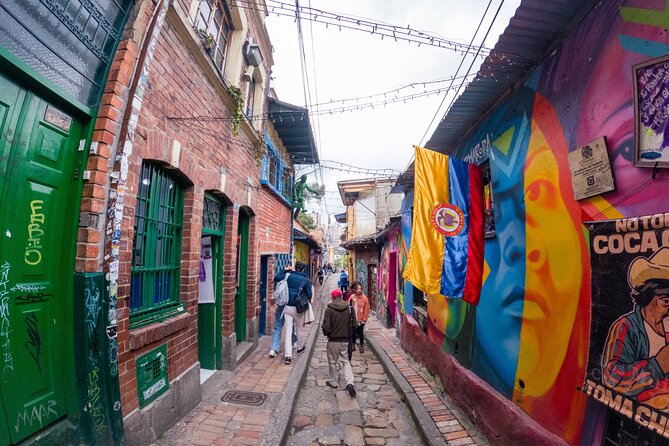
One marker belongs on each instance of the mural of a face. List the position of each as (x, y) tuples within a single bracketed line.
[(553, 270), (499, 314)]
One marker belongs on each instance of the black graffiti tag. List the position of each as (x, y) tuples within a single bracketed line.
[(32, 298), (34, 342)]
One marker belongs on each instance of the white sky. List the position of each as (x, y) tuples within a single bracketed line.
[(352, 63)]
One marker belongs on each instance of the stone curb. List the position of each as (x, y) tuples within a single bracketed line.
[(424, 423), (277, 428)]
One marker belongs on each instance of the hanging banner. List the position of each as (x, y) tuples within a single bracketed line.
[(629, 351), (207, 295)]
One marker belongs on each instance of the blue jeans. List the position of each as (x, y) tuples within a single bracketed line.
[(278, 328)]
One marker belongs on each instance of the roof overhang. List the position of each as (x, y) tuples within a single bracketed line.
[(340, 218), (534, 32), (294, 128)]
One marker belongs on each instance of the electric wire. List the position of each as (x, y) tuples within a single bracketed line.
[(372, 27)]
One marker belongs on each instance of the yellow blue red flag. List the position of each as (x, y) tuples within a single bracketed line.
[(426, 254)]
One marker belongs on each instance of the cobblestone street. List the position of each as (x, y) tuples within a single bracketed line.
[(326, 416)]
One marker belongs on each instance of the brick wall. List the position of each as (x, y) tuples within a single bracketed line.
[(180, 84)]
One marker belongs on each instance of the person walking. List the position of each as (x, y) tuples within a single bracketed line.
[(321, 274), (343, 281), (297, 282), (335, 327), (360, 304)]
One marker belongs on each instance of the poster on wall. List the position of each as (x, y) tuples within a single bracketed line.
[(651, 113), (628, 363), (206, 281), (590, 170)]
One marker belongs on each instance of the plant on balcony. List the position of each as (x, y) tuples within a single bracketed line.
[(260, 151), (237, 113), (206, 39)]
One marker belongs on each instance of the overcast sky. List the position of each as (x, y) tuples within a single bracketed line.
[(348, 63)]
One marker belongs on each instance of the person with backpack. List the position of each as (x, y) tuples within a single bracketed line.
[(299, 297), (337, 322), (280, 298), (343, 281)]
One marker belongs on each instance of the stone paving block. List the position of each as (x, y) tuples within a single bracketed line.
[(345, 402), (353, 436)]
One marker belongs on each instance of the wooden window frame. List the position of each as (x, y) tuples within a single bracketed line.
[(219, 26)]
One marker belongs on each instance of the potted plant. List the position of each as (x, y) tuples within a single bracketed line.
[(206, 39)]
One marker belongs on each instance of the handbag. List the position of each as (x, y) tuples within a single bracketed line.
[(302, 301)]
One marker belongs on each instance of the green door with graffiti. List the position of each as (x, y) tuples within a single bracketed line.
[(38, 151)]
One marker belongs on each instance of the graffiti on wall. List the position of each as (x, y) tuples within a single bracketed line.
[(361, 273), (530, 330)]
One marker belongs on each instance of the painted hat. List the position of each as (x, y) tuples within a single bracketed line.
[(644, 269), (335, 294)]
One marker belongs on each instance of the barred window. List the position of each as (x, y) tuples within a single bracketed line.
[(273, 175), (214, 27), (156, 254)]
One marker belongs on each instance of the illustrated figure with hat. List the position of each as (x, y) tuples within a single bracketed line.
[(635, 360)]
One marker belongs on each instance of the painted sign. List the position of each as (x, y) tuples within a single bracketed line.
[(590, 170), (651, 112), (447, 219), (629, 351), (206, 281)]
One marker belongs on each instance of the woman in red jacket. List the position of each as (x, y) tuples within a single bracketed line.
[(360, 304)]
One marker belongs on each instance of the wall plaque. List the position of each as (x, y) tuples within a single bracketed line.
[(590, 170)]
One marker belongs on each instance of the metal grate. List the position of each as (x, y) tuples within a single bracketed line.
[(281, 261), (156, 261), (152, 380), (244, 397)]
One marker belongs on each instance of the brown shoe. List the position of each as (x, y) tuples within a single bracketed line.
[(362, 349)]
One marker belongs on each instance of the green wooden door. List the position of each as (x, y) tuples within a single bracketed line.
[(242, 276), (38, 151)]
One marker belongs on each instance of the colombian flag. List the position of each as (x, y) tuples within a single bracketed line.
[(446, 253), (463, 252)]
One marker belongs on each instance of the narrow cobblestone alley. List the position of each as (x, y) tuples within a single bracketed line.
[(326, 416)]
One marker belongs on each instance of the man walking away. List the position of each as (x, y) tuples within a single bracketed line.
[(296, 281), (321, 273), (343, 281), (336, 328)]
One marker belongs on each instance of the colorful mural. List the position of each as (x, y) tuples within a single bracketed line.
[(529, 334), (389, 312)]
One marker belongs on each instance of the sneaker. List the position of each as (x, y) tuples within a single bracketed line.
[(272, 354), (351, 390), (331, 384), (300, 350), (287, 359)]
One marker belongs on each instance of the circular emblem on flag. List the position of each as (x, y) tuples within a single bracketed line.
[(448, 219)]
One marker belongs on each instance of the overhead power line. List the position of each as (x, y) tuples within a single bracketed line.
[(341, 21)]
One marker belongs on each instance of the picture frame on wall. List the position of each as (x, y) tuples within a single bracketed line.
[(651, 112)]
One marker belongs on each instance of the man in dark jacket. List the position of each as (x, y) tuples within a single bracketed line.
[(296, 281), (336, 327)]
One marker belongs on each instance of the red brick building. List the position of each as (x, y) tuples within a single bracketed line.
[(186, 204)]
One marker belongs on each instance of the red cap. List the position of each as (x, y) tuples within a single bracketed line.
[(335, 294)]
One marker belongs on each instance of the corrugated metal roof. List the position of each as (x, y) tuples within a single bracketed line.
[(533, 32), (292, 124)]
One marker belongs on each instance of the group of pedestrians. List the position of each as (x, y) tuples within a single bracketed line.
[(344, 322)]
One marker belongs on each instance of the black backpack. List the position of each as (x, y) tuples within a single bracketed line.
[(302, 300)]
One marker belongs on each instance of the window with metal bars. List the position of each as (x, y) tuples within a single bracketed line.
[(214, 25), (276, 173), (156, 253)]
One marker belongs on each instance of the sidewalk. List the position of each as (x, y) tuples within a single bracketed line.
[(439, 419), (215, 422)]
